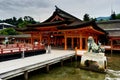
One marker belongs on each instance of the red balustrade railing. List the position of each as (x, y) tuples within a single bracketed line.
[(116, 47), (12, 48)]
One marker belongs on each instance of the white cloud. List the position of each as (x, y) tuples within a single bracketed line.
[(42, 9), (15, 4)]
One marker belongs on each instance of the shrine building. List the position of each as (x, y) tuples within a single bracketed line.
[(64, 30), (112, 27)]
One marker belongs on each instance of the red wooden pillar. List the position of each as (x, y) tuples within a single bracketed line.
[(48, 40), (40, 37), (60, 41), (72, 42), (80, 42), (54, 41), (1, 51), (65, 43), (39, 40), (111, 46), (86, 43), (77, 42), (31, 38)]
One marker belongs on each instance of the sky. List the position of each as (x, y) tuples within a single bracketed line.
[(41, 10)]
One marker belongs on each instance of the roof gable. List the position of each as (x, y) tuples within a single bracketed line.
[(60, 15), (57, 18)]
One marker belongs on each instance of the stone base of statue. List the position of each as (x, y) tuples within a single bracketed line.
[(94, 61)]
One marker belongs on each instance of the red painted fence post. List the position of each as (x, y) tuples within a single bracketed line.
[(1, 51), (19, 49), (11, 51)]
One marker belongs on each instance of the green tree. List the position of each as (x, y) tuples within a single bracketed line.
[(29, 19), (113, 16), (3, 32), (0, 21), (14, 21), (86, 17), (8, 31), (8, 21), (93, 19), (20, 22), (23, 24), (25, 21), (118, 16)]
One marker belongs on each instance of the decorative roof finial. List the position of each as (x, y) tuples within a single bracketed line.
[(56, 7)]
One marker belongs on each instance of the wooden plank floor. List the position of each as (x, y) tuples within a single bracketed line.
[(23, 63)]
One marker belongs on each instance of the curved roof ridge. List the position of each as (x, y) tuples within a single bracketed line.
[(58, 10), (63, 14)]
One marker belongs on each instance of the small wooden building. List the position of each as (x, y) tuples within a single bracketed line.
[(64, 30), (113, 29), (6, 25)]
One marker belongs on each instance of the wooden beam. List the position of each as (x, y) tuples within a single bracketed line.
[(86, 43), (76, 53), (80, 42), (47, 68), (65, 45), (40, 37), (25, 75), (61, 62), (31, 38), (77, 42), (72, 42), (111, 46)]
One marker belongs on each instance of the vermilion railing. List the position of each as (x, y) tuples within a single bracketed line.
[(12, 48), (116, 47), (107, 47)]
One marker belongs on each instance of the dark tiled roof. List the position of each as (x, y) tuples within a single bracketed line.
[(112, 27), (114, 33), (49, 23), (109, 24), (76, 25), (63, 15), (68, 18)]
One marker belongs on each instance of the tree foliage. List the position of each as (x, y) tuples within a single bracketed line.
[(20, 22), (8, 31), (29, 19), (113, 16), (86, 17), (93, 19), (23, 24), (25, 21), (118, 16)]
